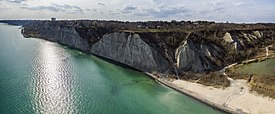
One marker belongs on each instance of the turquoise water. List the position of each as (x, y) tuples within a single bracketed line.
[(262, 68), (37, 76)]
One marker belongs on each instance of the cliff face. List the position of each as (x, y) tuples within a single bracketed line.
[(131, 50), (212, 50), (196, 57), (65, 35), (161, 51)]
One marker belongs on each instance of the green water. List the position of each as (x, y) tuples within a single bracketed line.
[(262, 68), (37, 76)]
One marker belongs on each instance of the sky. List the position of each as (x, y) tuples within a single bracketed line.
[(242, 11)]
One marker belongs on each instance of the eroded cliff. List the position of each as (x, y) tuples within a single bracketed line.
[(168, 52), (66, 35), (131, 50)]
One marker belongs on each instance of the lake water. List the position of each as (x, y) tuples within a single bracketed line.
[(262, 68), (38, 76)]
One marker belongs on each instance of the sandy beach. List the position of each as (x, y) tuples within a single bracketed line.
[(237, 98)]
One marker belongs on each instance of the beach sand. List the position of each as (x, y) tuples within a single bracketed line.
[(237, 97)]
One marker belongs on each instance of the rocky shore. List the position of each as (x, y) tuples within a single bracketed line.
[(194, 51)]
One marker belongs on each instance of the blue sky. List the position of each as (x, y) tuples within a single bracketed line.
[(141, 10)]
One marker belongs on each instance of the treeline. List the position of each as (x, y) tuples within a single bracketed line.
[(165, 25), (149, 26)]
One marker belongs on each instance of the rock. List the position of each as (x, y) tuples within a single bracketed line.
[(258, 34), (227, 37), (191, 57)]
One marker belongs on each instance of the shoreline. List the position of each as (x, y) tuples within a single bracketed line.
[(236, 99), (177, 85), (194, 95)]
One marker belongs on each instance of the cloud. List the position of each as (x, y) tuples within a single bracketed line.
[(55, 8), (239, 3), (208, 11), (128, 8), (101, 4), (38, 8), (166, 12), (114, 13), (16, 1), (157, 2), (141, 14)]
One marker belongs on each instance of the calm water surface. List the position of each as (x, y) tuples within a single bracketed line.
[(37, 76), (262, 68)]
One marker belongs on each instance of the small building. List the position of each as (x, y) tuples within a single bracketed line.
[(53, 19)]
